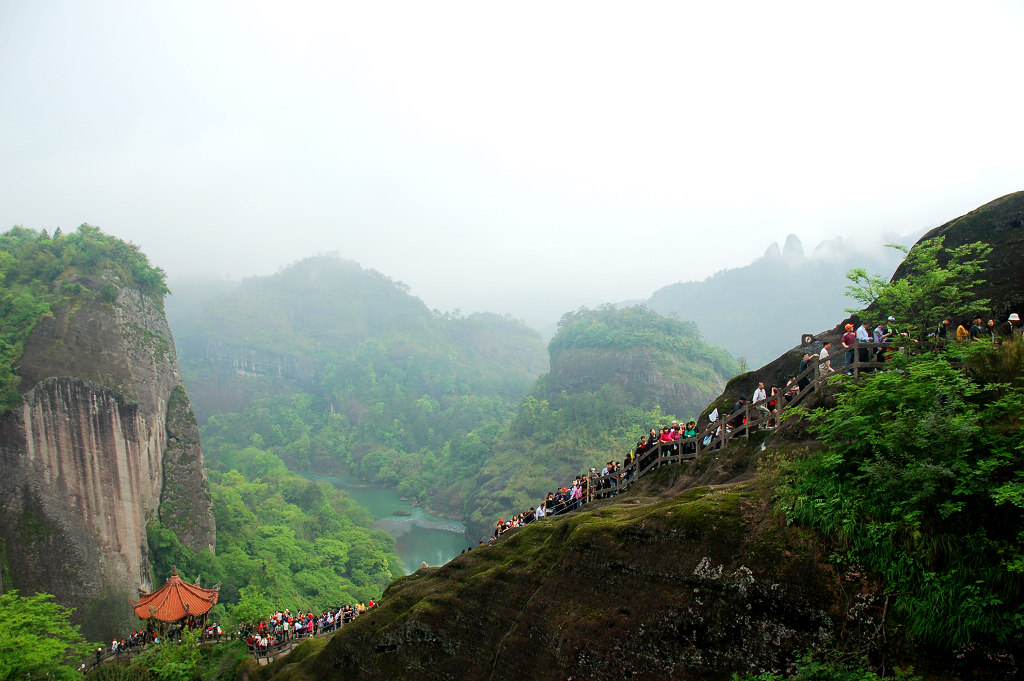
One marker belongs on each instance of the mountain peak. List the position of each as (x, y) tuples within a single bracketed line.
[(793, 248)]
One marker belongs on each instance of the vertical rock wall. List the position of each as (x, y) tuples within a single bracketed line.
[(105, 441)]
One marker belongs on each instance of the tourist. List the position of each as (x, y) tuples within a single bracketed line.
[(825, 364), (760, 400), (881, 335), (690, 434), (848, 339), (805, 362), (738, 413), (864, 336)]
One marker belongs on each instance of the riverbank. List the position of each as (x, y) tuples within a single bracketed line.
[(421, 536)]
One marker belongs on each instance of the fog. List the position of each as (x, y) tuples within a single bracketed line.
[(522, 158)]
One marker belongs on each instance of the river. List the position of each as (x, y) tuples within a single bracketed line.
[(419, 537)]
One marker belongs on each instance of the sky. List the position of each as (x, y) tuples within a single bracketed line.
[(524, 158)]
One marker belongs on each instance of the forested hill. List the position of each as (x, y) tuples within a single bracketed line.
[(333, 367), (615, 373), (657, 360)]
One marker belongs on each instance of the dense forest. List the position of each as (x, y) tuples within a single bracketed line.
[(430, 404), (296, 543), (350, 370)]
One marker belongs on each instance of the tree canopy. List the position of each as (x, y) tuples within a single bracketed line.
[(36, 639), (923, 484), (935, 283), (39, 271)]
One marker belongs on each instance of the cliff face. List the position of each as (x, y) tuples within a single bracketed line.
[(648, 376), (221, 374), (104, 442)]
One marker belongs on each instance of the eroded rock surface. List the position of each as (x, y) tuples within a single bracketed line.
[(104, 442)]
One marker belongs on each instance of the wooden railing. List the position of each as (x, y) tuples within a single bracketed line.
[(270, 652), (716, 434)]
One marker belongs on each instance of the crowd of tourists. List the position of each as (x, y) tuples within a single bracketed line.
[(763, 407), (283, 627), (604, 483)]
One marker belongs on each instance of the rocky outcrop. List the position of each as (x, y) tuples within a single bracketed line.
[(673, 580), (999, 223), (222, 374), (680, 385), (104, 442)]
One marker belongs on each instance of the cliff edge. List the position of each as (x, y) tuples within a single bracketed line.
[(103, 442)]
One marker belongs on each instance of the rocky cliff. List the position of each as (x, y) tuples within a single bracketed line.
[(648, 377), (103, 442), (654, 359)]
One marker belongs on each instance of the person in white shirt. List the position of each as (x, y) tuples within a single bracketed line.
[(760, 400), (825, 367), (864, 336)]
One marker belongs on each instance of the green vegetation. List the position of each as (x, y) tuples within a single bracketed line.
[(935, 283), (638, 327), (170, 661), (283, 541), (184, 661), (547, 443), (440, 414), (922, 481), (360, 375), (39, 272), (36, 640), (923, 484), (819, 667)]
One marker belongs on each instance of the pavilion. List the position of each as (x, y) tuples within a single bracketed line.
[(176, 601)]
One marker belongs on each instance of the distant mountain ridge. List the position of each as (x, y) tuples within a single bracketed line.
[(760, 310), (279, 334), (335, 368)]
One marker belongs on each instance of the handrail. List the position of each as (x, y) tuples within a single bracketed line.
[(256, 651), (717, 434)]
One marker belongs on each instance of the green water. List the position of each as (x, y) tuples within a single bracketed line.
[(419, 537)]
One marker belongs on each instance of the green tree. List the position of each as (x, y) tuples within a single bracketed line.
[(922, 483), (36, 639), (252, 606), (171, 661), (935, 283)]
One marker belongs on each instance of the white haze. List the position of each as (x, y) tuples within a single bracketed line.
[(525, 157)]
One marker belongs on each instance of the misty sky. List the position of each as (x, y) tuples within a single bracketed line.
[(522, 157)]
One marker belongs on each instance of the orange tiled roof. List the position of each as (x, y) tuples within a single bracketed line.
[(175, 600)]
